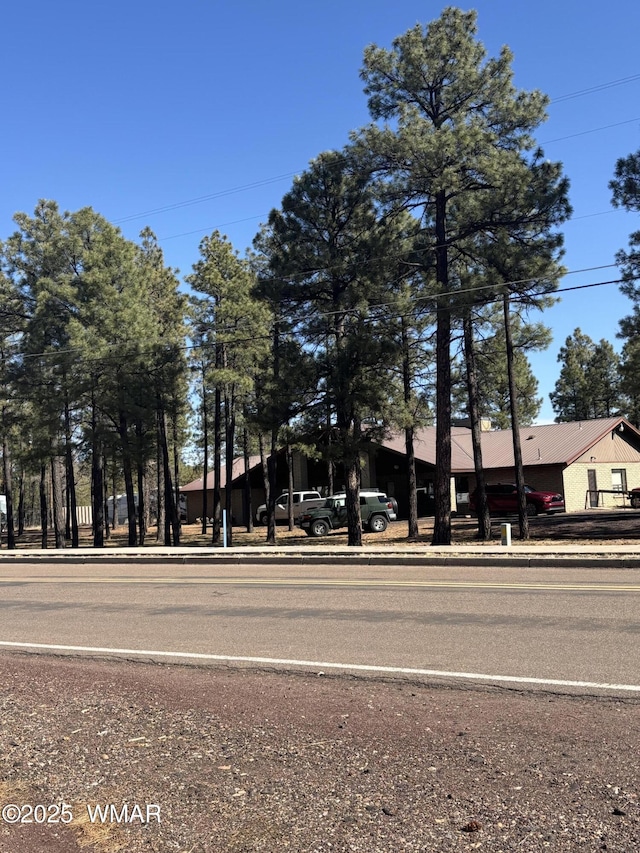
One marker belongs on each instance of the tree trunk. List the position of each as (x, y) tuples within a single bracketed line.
[(8, 490), (248, 509), (408, 439), (217, 451), (265, 469), (523, 518), (161, 511), (442, 520), (57, 477), (115, 522), (171, 525), (412, 483), (107, 523), (72, 512), (289, 454), (44, 513), (205, 462), (354, 518), (230, 437), (128, 480), (177, 523), (141, 509), (272, 468), (484, 518), (97, 482), (21, 502)]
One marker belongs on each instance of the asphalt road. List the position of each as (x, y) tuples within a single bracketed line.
[(544, 625)]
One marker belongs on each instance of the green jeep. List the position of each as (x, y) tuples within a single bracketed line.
[(374, 510)]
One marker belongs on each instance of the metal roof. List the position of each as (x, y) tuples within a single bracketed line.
[(549, 444), (238, 470)]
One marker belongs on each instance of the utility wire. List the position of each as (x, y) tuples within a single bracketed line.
[(320, 314), (621, 81), (593, 130), (266, 181), (292, 174)]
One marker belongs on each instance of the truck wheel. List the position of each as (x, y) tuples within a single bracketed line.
[(319, 528), (635, 501), (378, 524)]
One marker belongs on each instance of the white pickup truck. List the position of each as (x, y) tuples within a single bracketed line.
[(302, 501)]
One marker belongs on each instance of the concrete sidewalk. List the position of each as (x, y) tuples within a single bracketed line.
[(529, 555)]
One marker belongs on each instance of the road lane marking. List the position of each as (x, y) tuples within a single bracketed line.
[(323, 665), (190, 581)]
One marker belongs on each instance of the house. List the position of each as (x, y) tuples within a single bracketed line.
[(592, 463)]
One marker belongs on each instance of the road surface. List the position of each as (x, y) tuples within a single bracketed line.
[(579, 626)]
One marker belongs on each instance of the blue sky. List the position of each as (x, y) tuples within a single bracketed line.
[(196, 115)]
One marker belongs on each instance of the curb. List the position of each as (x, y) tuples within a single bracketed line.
[(487, 560)]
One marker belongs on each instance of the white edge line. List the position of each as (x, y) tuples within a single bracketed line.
[(359, 667)]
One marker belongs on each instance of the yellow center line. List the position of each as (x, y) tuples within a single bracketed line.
[(324, 582)]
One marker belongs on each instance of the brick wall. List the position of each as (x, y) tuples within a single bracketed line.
[(576, 483)]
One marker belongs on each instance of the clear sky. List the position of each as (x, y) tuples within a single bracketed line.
[(195, 115)]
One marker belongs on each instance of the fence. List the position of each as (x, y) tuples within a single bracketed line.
[(594, 499)]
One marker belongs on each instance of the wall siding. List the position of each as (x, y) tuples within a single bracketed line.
[(576, 483), (612, 448)]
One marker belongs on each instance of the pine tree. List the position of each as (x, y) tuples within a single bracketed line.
[(626, 193), (461, 141), (327, 247), (589, 383), (233, 324)]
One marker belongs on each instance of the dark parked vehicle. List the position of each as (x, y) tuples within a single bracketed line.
[(375, 511), (301, 502), (503, 498), (634, 497)]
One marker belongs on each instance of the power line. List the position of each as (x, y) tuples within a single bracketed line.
[(202, 198), (214, 227), (276, 178), (593, 130), (431, 297), (621, 81)]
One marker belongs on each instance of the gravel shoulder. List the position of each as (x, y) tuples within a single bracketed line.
[(243, 760), (593, 527)]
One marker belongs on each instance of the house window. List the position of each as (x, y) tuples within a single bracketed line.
[(619, 479)]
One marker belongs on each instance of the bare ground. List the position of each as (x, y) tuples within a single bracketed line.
[(258, 761), (596, 527)]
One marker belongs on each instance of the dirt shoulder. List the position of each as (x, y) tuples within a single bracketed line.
[(594, 527), (262, 761)]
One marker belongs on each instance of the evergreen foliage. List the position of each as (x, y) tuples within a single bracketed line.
[(457, 149), (100, 350), (327, 253), (626, 193), (589, 382)]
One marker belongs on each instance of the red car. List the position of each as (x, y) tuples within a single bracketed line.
[(503, 498)]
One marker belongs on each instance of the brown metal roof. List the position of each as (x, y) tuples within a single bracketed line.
[(550, 444), (424, 446), (238, 470)]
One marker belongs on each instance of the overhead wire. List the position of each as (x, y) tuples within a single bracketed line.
[(493, 297), (276, 178)]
